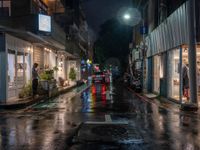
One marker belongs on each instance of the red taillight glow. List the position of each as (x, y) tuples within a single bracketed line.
[(93, 89), (103, 89)]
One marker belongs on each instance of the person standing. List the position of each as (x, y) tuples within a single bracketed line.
[(35, 78)]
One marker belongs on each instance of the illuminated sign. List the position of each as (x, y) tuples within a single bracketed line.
[(44, 23)]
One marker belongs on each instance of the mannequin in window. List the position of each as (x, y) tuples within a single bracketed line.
[(185, 73)]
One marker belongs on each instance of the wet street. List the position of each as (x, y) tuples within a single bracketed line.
[(110, 111)]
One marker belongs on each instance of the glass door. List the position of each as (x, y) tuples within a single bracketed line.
[(11, 74), (173, 74)]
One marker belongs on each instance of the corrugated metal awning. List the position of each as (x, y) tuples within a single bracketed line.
[(172, 33)]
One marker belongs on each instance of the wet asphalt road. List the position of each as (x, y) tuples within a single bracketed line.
[(51, 125)]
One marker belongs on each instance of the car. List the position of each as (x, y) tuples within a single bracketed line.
[(98, 77)]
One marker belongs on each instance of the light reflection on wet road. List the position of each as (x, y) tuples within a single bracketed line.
[(49, 124)]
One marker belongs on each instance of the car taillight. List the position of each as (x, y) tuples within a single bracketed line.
[(103, 88)]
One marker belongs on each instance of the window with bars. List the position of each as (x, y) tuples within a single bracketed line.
[(5, 8)]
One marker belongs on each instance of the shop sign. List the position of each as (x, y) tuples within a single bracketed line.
[(44, 23)]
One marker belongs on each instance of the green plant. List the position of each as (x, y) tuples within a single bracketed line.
[(72, 74), (47, 75), (55, 68), (26, 90)]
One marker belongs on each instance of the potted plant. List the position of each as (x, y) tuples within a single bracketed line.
[(72, 74), (26, 91), (47, 79)]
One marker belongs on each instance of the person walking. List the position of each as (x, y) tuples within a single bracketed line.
[(35, 78)]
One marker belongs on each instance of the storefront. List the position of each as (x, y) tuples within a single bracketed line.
[(170, 39), (19, 56)]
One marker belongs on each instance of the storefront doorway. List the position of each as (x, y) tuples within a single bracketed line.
[(173, 73), (156, 74)]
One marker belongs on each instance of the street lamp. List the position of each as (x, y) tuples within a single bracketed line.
[(127, 16)]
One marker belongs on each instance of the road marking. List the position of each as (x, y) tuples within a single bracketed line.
[(108, 118)]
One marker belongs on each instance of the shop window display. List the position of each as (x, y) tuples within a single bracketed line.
[(11, 68), (46, 60), (185, 98), (18, 71)]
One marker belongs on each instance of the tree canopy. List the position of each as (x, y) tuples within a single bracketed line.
[(113, 41)]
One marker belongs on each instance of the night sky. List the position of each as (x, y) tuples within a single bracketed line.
[(98, 11)]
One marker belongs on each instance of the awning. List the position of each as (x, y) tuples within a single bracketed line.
[(35, 39)]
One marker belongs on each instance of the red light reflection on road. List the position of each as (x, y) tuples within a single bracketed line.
[(94, 90)]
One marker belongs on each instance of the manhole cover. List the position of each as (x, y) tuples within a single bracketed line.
[(108, 133), (109, 130)]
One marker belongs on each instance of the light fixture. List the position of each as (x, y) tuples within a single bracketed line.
[(127, 16)]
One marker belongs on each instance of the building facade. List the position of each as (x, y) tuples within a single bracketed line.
[(33, 31), (168, 52), (164, 50)]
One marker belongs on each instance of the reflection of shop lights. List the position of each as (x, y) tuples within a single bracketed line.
[(103, 89), (103, 98)]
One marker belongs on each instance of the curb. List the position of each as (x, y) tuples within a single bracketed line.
[(144, 98), (148, 100), (183, 107)]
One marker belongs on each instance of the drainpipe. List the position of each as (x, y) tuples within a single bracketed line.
[(192, 53)]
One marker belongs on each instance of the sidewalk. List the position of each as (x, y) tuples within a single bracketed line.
[(22, 103), (164, 103), (161, 102)]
